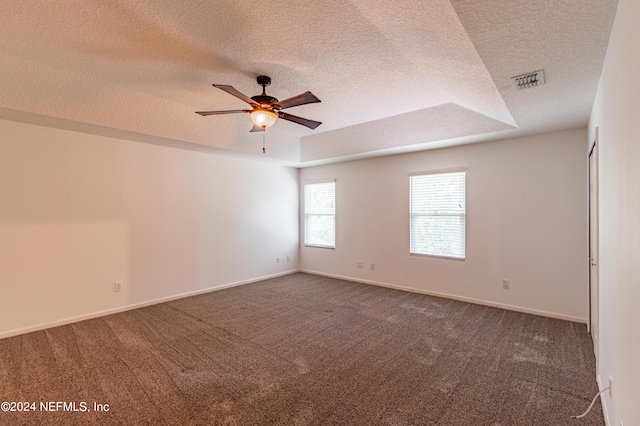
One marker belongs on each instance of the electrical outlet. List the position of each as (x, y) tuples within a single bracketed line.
[(360, 264), (277, 260), (506, 284), (373, 266), (611, 387), (117, 286), (288, 258)]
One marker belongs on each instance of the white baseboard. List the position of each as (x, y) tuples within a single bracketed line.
[(455, 297), (603, 402), (92, 315)]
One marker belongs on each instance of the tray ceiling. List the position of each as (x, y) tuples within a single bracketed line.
[(392, 76)]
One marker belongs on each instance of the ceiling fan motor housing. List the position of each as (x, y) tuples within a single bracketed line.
[(265, 100)]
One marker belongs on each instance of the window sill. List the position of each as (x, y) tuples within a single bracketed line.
[(437, 256), (320, 246)]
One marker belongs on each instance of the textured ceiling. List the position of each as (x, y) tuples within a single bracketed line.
[(392, 76)]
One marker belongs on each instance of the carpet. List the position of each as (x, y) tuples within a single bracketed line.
[(303, 350)]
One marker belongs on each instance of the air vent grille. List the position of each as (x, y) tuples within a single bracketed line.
[(528, 80)]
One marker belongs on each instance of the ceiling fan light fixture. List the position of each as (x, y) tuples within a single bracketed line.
[(263, 117), (266, 109)]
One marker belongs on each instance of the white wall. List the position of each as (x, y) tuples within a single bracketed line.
[(615, 114), (526, 222), (79, 212)]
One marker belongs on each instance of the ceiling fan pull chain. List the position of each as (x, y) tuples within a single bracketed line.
[(263, 136)]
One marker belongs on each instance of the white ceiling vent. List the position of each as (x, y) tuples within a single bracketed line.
[(528, 80)]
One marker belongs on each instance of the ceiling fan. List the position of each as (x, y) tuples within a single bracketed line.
[(267, 109)]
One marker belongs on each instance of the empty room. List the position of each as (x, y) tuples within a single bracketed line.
[(320, 213)]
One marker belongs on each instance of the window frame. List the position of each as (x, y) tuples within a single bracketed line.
[(461, 169), (305, 214)]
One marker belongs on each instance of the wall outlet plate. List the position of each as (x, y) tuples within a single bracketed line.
[(117, 286)]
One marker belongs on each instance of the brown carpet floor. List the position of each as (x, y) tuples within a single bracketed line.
[(304, 350)]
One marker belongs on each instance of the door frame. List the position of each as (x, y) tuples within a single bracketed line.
[(594, 285)]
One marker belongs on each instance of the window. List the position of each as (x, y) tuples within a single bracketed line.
[(437, 214), (320, 214)]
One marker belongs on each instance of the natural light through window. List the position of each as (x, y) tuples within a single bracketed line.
[(320, 214), (438, 214)]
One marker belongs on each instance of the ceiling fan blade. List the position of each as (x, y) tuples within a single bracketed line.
[(233, 111), (302, 99), (232, 91), (256, 128), (304, 121)]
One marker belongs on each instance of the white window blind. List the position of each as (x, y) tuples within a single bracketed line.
[(438, 214), (320, 214)]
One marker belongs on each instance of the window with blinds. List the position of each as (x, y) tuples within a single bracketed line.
[(438, 214), (320, 214)]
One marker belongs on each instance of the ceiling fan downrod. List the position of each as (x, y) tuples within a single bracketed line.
[(263, 81)]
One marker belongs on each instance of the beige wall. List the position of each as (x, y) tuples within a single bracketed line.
[(79, 212), (615, 114), (526, 222)]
